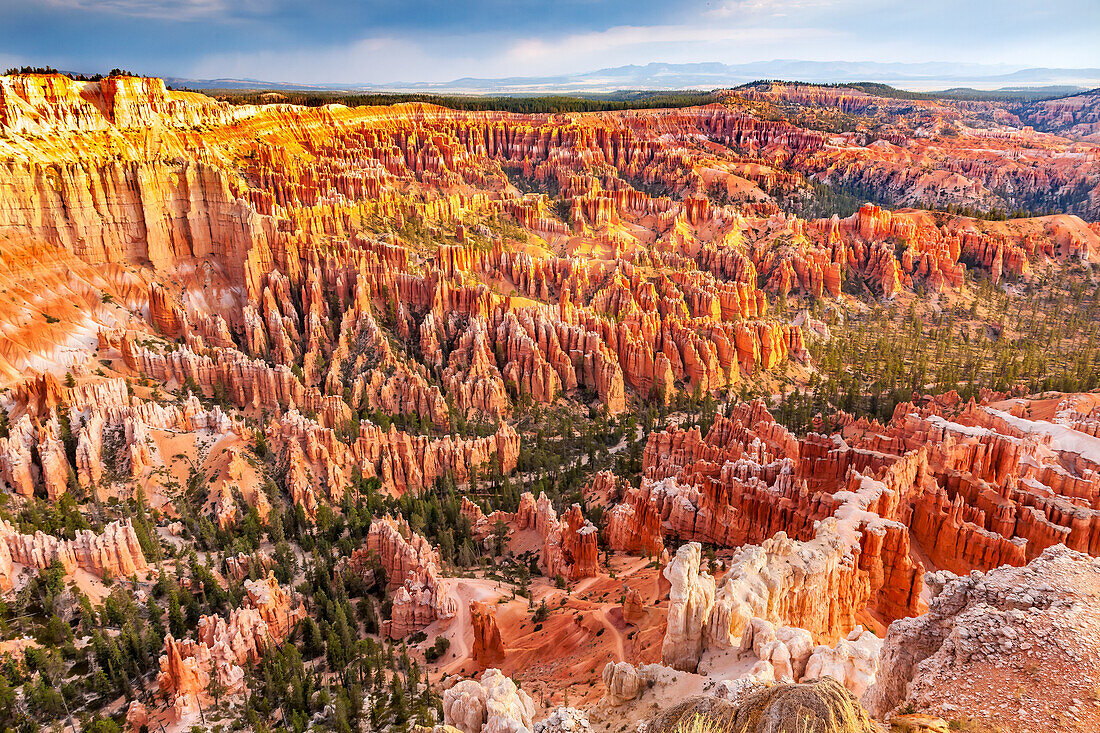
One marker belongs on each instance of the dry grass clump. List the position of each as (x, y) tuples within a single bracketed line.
[(823, 706)]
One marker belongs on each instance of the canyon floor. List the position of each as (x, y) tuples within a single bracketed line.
[(776, 411)]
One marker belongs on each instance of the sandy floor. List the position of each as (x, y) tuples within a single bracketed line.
[(561, 660)]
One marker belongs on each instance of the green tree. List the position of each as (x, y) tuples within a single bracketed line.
[(500, 537)]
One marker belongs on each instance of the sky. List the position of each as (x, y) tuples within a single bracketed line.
[(386, 41)]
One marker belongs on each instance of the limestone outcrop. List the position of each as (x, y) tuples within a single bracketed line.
[(564, 720), (691, 602), (623, 681), (137, 716), (634, 525), (981, 634), (853, 662), (7, 571), (789, 655)]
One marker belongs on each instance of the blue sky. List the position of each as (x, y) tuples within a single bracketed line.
[(364, 41)]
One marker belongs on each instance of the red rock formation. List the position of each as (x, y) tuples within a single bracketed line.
[(165, 314), (273, 256), (568, 544), (975, 491), (633, 607), (222, 645), (634, 525), (137, 717), (53, 103), (578, 537), (411, 566), (297, 313), (740, 485), (240, 566), (116, 552), (16, 465), (643, 331), (403, 462), (488, 649)]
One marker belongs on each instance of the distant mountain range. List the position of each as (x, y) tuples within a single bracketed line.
[(915, 77)]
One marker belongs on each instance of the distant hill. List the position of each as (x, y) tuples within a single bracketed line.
[(914, 77)]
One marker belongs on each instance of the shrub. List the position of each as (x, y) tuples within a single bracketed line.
[(438, 649)]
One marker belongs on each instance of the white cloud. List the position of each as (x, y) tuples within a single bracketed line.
[(730, 31), (439, 58), (164, 9), (652, 38), (374, 59), (746, 8)]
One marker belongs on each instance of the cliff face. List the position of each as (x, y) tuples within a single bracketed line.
[(267, 198), (1077, 116), (140, 212), (42, 104), (978, 629), (365, 301)]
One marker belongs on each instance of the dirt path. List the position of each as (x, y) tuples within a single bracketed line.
[(460, 630), (601, 615)]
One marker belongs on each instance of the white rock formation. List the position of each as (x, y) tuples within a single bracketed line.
[(788, 654), (853, 661), (691, 601), (493, 705), (786, 649), (564, 720), (624, 682), (621, 681), (464, 706)]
